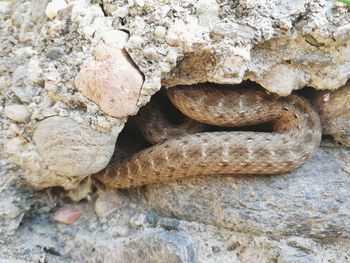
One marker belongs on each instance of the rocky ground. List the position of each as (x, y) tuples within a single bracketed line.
[(299, 217), (52, 57)]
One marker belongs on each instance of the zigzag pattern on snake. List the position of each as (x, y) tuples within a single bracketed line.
[(295, 137)]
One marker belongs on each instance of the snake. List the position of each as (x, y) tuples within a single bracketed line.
[(189, 151)]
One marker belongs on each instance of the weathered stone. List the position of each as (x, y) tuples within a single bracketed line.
[(54, 7), (55, 53), (111, 80), (17, 112), (67, 215), (71, 149), (157, 246)]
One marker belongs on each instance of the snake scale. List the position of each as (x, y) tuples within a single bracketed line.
[(295, 136)]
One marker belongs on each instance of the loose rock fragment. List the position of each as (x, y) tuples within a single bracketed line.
[(54, 7), (67, 215), (17, 112)]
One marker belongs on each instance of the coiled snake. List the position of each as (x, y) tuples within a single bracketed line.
[(296, 135)]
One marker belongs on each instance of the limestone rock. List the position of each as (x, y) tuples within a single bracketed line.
[(71, 149)]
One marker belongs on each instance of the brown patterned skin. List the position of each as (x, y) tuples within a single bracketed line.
[(295, 137)]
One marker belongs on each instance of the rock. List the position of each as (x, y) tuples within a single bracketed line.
[(157, 246), (253, 204), (67, 215), (17, 112), (55, 53), (334, 110), (20, 85), (208, 12), (299, 217), (34, 71), (54, 7), (283, 79), (82, 191), (109, 202), (71, 149), (111, 80), (144, 220), (169, 224), (11, 214)]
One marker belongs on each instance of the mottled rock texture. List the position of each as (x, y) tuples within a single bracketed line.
[(70, 149), (97, 63), (110, 79)]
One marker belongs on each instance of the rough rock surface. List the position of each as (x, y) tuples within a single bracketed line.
[(334, 111), (110, 79), (282, 45), (303, 43), (70, 149)]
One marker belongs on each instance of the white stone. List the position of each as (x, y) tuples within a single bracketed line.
[(283, 79), (17, 112), (34, 71), (121, 11), (54, 7), (176, 34), (140, 3), (151, 53), (207, 11), (116, 38), (159, 32)]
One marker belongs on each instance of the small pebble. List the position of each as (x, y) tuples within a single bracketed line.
[(215, 249), (151, 54), (67, 214), (140, 3), (144, 220), (17, 112), (55, 53), (148, 220), (54, 7), (115, 38), (159, 32)]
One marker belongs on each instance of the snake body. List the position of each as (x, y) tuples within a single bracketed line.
[(296, 135)]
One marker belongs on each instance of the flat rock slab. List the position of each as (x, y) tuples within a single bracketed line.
[(313, 201)]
